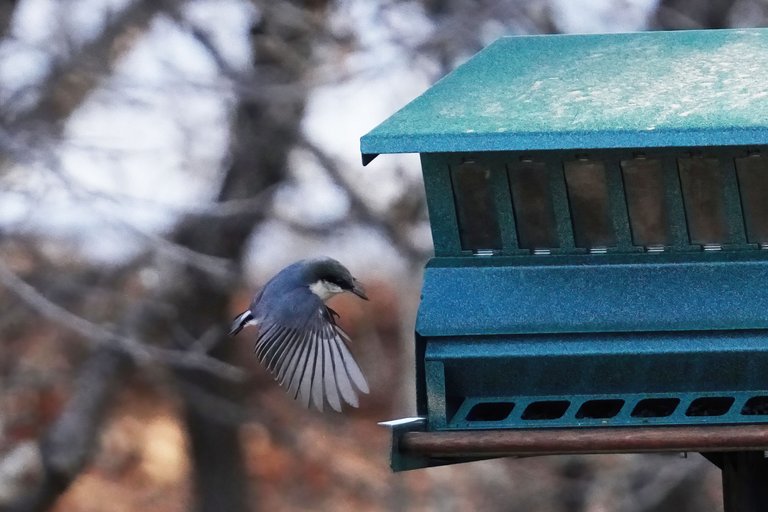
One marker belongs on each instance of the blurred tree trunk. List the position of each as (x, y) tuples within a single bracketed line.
[(265, 130)]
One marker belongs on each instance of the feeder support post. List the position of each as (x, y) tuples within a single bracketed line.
[(745, 481)]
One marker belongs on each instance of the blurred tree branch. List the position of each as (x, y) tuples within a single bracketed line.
[(68, 444), (72, 78), (264, 132), (362, 211), (671, 489), (697, 14), (7, 9), (139, 352)]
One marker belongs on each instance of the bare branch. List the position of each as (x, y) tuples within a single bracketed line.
[(685, 14), (205, 40), (141, 353), (71, 80), (218, 267), (662, 482), (256, 204), (70, 441), (360, 208), (7, 9)]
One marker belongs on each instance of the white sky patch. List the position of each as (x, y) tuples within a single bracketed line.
[(166, 56), (336, 118), (21, 67), (149, 143), (83, 19), (143, 148), (229, 23), (34, 21), (385, 79), (140, 136), (602, 16), (26, 55), (42, 30), (311, 198)]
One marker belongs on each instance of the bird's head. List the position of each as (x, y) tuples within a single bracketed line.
[(327, 277)]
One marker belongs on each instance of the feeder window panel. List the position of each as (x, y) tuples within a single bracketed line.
[(590, 209), (753, 185), (490, 411), (757, 405), (475, 208), (600, 409), (702, 184), (710, 406), (655, 407), (546, 410), (532, 201), (646, 205)]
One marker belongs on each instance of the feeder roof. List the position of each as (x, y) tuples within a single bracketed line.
[(566, 92)]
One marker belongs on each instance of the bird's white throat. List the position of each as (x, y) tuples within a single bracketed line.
[(325, 289)]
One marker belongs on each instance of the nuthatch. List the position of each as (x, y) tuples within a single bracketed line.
[(298, 339)]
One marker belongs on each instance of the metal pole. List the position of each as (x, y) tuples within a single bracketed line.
[(745, 481)]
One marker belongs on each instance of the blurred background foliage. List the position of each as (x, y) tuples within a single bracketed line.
[(159, 160)]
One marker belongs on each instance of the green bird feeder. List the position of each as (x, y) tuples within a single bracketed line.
[(599, 210)]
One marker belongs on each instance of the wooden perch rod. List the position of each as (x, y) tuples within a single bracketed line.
[(482, 443)]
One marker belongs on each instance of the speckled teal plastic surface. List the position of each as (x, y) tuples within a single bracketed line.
[(505, 328), (652, 89), (629, 325), (577, 368), (596, 293)]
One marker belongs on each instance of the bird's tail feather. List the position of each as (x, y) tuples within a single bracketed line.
[(243, 319)]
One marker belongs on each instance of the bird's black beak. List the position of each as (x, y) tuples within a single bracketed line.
[(357, 289)]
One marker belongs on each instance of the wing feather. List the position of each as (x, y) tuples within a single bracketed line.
[(298, 367), (352, 369), (344, 385), (317, 375), (272, 344), (291, 357), (264, 336), (307, 370), (308, 355), (329, 378), (273, 356), (291, 362), (282, 361)]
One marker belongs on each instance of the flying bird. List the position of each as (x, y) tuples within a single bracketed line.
[(298, 339)]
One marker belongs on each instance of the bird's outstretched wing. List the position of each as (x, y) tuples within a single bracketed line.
[(311, 359)]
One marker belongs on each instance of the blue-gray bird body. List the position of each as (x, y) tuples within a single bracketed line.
[(298, 339)]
